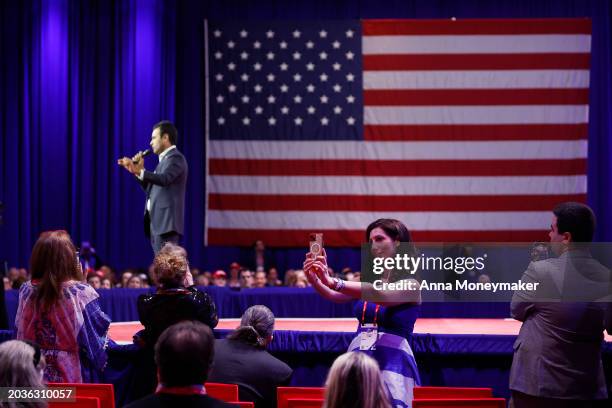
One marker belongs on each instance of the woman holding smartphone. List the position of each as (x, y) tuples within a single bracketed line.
[(61, 314), (385, 326)]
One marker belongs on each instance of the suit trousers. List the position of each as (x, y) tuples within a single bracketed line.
[(158, 241)]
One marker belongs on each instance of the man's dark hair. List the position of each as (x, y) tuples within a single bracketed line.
[(183, 354), (577, 219), (167, 127)]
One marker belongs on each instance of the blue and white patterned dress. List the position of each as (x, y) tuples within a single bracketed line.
[(72, 334), (392, 352)]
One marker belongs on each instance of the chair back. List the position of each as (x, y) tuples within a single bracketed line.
[(223, 392), (104, 392)]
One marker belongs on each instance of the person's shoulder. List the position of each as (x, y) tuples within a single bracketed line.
[(199, 296), (543, 266), (26, 288), (275, 365), (176, 153), (145, 298), (81, 290)]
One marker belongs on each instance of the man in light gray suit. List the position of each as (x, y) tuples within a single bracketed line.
[(557, 355), (165, 187)]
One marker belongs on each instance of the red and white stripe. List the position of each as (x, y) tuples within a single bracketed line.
[(474, 130)]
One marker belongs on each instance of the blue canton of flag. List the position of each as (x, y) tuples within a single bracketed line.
[(285, 80)]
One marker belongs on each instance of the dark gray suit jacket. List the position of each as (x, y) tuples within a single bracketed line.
[(166, 189), (558, 350)]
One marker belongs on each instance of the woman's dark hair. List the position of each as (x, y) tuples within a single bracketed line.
[(256, 325), (53, 261), (395, 229)]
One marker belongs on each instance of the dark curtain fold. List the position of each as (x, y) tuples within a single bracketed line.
[(82, 82)]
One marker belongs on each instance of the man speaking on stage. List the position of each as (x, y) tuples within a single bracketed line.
[(165, 187)]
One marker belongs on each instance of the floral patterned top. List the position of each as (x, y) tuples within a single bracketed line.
[(72, 334)]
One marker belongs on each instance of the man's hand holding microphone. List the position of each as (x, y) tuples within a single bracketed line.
[(135, 164)]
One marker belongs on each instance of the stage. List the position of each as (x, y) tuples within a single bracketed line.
[(122, 332), (449, 352)]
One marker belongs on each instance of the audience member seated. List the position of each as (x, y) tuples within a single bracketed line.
[(21, 365), (242, 359), (61, 313), (246, 279), (94, 280), (289, 277), (234, 271), (354, 381), (273, 277), (260, 279), (176, 300), (106, 284), (298, 280), (219, 278), (125, 277), (202, 280), (135, 282), (208, 275), (107, 272), (183, 355)]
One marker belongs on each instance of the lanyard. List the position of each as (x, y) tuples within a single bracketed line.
[(365, 305), (187, 390)]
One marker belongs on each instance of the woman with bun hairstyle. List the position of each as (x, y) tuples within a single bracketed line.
[(242, 359)]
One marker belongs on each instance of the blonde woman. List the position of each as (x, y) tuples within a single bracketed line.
[(354, 380)]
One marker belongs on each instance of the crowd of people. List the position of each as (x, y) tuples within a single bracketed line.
[(236, 277), (64, 333), (177, 351)]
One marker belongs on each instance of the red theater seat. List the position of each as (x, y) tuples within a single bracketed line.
[(451, 392), (79, 402), (283, 394), (104, 392), (244, 404), (305, 402), (456, 403), (223, 392)]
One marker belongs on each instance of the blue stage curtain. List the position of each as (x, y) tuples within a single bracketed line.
[(82, 82)]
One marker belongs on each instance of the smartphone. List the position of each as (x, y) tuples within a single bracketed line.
[(316, 243)]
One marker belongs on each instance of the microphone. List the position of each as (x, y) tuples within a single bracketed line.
[(144, 154)]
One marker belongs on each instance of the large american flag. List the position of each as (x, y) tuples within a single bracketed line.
[(467, 130)]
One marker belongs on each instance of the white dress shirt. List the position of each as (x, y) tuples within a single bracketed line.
[(162, 155)]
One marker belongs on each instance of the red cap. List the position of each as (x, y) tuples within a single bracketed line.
[(234, 265), (219, 274)]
